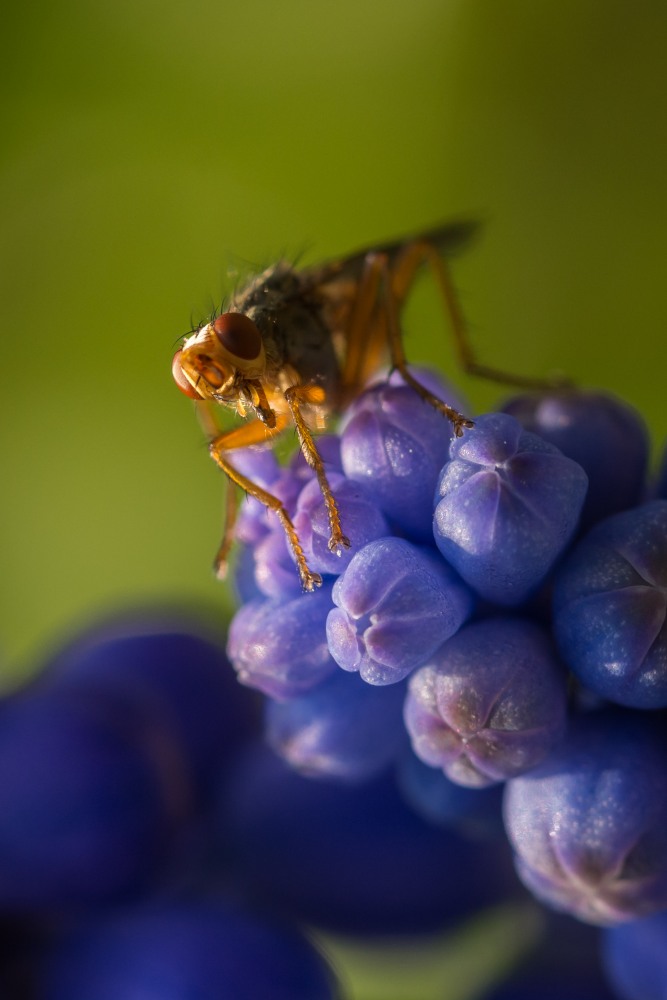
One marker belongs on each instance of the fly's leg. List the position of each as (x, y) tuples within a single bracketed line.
[(366, 334), (401, 278), (374, 326), (249, 434), (205, 414), (227, 541), (296, 395), (399, 363)]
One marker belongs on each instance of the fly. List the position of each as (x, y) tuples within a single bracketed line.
[(296, 345)]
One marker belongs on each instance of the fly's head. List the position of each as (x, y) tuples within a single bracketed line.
[(225, 361)]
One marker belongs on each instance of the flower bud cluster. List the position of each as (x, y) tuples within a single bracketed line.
[(111, 766), (504, 608), (480, 685)]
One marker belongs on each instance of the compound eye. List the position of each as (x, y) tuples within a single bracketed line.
[(180, 379), (239, 336)]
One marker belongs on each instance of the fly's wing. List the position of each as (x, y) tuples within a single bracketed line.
[(448, 239), (339, 285)]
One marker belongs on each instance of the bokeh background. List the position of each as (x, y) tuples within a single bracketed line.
[(150, 150)]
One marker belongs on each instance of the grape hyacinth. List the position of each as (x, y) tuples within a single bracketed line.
[(396, 604), (279, 646), (183, 947), (589, 824), (609, 608), (398, 449), (490, 704), (341, 728), (450, 607), (565, 965), (608, 439), (109, 758), (353, 858), (111, 764), (635, 958), (507, 504), (476, 692)]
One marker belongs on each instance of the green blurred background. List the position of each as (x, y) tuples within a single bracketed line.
[(147, 148)]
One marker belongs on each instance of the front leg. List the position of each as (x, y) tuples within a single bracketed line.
[(245, 436), (295, 396)]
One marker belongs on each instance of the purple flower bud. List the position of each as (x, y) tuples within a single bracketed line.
[(491, 703), (589, 824), (91, 800), (610, 607), (254, 519), (245, 585), (352, 858), (168, 670), (361, 519), (261, 466), (507, 504), (659, 485), (279, 646), (397, 443), (270, 570), (274, 568), (257, 462), (343, 728), (396, 603), (173, 949), (608, 439), (635, 958), (473, 812), (560, 961), (328, 447)]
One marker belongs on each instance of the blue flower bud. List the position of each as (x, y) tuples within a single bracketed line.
[(397, 443), (490, 704), (564, 965), (91, 799), (352, 858), (173, 672), (275, 572), (658, 488), (173, 949), (396, 603), (608, 439), (261, 466), (254, 519), (361, 518), (473, 812), (343, 728), (280, 646), (258, 462), (610, 607), (507, 504), (328, 447), (589, 824), (635, 958), (244, 583), (270, 570)]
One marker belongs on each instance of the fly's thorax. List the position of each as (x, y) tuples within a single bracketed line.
[(287, 310), (266, 292)]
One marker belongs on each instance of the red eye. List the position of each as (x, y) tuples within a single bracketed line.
[(180, 379), (238, 335)]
